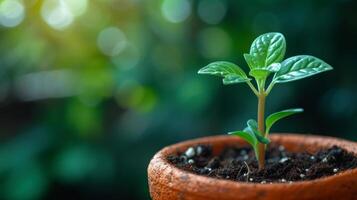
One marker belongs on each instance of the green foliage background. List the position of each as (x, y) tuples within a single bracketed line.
[(82, 111)]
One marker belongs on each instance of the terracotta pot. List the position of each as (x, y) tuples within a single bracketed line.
[(166, 182)]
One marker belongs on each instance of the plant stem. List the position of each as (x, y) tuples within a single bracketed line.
[(261, 128), (253, 88), (271, 85)]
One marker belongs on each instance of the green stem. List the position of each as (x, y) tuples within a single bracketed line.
[(253, 88), (261, 128), (261, 86), (270, 87)]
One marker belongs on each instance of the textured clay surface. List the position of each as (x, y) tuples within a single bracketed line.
[(167, 182)]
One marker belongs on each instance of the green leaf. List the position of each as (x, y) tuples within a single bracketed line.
[(251, 61), (230, 72), (253, 129), (248, 137), (232, 79), (275, 67), (259, 74), (252, 124), (251, 135), (271, 119), (299, 67), (268, 48)]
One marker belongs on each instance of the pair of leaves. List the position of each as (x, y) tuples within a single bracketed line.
[(269, 49), (266, 57), (251, 135), (265, 54), (232, 74)]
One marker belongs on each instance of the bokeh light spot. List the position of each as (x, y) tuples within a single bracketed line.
[(77, 7), (111, 41), (46, 84), (214, 43), (127, 59), (75, 163), (27, 182), (176, 11), (56, 14), (12, 13), (133, 95), (212, 11), (59, 14)]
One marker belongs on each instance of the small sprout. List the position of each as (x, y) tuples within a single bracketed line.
[(251, 179), (290, 182), (245, 174), (266, 58), (335, 170), (302, 175), (190, 152), (312, 158), (227, 177), (283, 180), (191, 161), (324, 160), (306, 170), (263, 182)]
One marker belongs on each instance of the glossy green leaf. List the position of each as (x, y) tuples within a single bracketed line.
[(253, 129), (230, 72), (271, 119), (299, 67), (251, 61), (275, 67), (232, 79), (263, 73), (259, 74), (268, 48), (248, 137), (252, 124)]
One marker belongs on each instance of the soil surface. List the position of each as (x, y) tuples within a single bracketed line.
[(239, 163)]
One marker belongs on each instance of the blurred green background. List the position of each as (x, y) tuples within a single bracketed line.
[(90, 90)]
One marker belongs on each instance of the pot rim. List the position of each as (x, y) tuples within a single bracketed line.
[(160, 162)]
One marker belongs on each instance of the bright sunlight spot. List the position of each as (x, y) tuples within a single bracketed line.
[(176, 11), (59, 14), (12, 12), (111, 41), (214, 43), (212, 11)]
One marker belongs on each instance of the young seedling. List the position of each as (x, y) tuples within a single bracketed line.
[(265, 59)]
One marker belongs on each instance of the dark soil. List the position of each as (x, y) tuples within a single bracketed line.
[(239, 164)]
